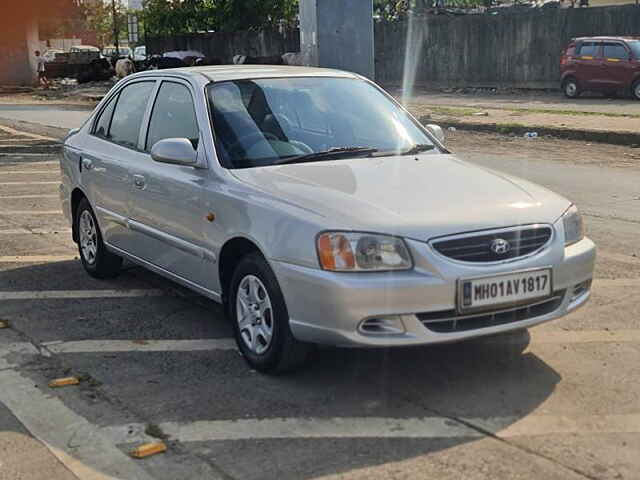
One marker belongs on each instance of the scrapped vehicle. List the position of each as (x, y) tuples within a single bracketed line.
[(317, 210), (601, 64), (111, 51), (51, 54)]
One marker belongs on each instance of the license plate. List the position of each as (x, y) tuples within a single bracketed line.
[(505, 289)]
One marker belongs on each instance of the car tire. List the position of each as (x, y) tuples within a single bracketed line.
[(260, 319), (570, 87), (96, 259), (635, 90)]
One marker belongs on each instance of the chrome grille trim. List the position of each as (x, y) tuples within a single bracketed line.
[(474, 247)]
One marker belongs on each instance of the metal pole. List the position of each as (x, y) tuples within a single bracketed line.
[(115, 27)]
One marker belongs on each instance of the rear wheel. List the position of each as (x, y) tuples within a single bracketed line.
[(635, 90), (570, 87), (261, 320), (96, 260)]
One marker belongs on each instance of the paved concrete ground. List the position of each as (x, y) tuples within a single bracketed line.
[(561, 402)]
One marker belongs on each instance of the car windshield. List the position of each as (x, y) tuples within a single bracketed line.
[(635, 47), (284, 120)]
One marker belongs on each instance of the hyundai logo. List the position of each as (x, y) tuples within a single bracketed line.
[(500, 246)]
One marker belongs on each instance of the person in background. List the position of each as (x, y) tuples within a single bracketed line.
[(42, 74)]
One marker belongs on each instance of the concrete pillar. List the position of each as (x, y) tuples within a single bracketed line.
[(18, 40), (338, 34)]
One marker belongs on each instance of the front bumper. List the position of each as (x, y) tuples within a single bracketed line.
[(327, 307)]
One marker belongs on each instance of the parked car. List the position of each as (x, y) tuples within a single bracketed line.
[(120, 52), (50, 55), (602, 64), (140, 54), (317, 210), (83, 48)]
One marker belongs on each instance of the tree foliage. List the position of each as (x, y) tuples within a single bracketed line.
[(167, 17)]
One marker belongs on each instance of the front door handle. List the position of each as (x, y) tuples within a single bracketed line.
[(138, 181), (87, 164)]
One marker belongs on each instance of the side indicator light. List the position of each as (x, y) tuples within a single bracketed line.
[(148, 449), (211, 217), (63, 382)]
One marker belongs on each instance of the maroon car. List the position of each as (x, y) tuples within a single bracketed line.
[(602, 64)]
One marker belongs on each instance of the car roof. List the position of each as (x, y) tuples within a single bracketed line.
[(625, 38), (220, 73)]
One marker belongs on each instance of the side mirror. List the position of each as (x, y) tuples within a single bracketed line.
[(176, 151), (436, 131)]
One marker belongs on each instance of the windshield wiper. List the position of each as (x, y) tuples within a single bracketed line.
[(413, 150), (336, 152)]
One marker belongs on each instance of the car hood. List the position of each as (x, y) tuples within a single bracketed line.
[(420, 197)]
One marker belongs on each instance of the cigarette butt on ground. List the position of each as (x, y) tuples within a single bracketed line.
[(148, 449), (63, 382)]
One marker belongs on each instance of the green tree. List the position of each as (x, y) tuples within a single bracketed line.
[(164, 17)]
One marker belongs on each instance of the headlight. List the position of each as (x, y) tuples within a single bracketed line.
[(357, 252), (573, 229)]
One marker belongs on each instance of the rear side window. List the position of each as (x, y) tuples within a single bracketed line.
[(173, 115), (102, 125), (615, 51), (128, 113), (588, 49)]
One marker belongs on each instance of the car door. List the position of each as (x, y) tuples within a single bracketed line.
[(618, 69), (588, 64), (167, 205), (106, 152)]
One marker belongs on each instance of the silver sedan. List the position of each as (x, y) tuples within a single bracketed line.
[(317, 210)]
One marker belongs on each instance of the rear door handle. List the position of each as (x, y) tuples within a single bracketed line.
[(139, 181)]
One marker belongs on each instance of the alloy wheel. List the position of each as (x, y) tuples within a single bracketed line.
[(88, 237), (571, 89), (254, 314)]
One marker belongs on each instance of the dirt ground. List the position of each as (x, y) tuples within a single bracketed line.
[(558, 150)]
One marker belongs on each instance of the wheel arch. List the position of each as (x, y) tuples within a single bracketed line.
[(233, 250), (76, 197)]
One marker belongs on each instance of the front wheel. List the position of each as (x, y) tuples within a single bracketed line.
[(261, 320), (635, 90), (96, 259), (570, 88)]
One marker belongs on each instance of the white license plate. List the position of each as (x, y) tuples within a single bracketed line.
[(504, 289)]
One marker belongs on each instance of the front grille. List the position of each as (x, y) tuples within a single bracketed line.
[(478, 247), (450, 321)]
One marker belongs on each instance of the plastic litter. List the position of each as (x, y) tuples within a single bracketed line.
[(531, 135)]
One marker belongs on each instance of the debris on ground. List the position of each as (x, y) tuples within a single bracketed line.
[(148, 449), (63, 382)]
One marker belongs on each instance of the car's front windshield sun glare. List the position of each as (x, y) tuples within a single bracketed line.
[(264, 122)]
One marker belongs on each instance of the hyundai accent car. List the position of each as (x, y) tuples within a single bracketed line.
[(317, 210)]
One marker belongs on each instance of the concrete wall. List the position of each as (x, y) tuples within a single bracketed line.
[(18, 40), (224, 45), (338, 34), (521, 50)]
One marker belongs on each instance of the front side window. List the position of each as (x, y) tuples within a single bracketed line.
[(266, 122), (588, 49), (127, 116), (173, 115), (615, 51)]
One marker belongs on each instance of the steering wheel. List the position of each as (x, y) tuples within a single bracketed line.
[(247, 141)]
